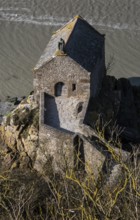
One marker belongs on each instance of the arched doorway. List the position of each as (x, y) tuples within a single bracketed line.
[(58, 89)]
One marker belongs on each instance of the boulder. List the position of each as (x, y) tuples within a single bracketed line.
[(19, 133)]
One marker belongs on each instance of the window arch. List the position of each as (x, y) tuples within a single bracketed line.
[(79, 107), (58, 89)]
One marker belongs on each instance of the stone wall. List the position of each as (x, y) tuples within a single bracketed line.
[(64, 88), (63, 113), (62, 69), (65, 150), (56, 146)]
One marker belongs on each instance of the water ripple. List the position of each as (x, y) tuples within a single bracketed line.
[(55, 21)]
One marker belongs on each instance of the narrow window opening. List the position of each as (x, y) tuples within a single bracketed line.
[(59, 88), (73, 87), (80, 108)]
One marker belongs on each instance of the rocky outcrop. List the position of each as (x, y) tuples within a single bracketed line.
[(118, 102), (8, 105), (106, 105), (19, 135)]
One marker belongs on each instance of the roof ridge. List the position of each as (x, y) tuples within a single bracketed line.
[(76, 17)]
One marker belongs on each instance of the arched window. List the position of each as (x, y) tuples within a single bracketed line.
[(79, 107), (59, 88)]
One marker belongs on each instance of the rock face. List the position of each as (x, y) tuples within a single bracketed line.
[(117, 102), (106, 105), (19, 134)]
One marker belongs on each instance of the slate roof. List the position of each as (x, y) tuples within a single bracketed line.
[(82, 43)]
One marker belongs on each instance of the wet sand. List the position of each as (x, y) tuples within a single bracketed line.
[(26, 28)]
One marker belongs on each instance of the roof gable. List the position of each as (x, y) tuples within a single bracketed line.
[(85, 45), (63, 63), (76, 33)]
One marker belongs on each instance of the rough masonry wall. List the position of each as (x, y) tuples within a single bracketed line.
[(60, 150), (68, 109), (65, 113), (94, 159), (62, 69), (61, 116), (55, 148)]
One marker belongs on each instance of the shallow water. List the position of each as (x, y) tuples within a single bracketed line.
[(26, 28)]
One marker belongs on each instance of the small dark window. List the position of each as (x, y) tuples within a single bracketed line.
[(73, 87), (58, 88), (80, 108)]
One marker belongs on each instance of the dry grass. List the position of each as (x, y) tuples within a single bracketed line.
[(25, 195)]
